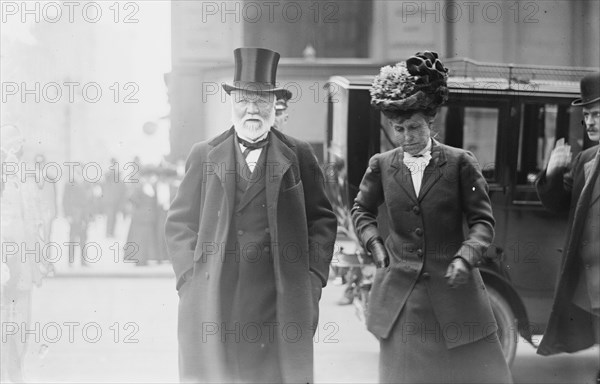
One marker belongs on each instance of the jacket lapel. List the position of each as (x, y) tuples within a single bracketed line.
[(402, 174), (222, 158), (433, 170)]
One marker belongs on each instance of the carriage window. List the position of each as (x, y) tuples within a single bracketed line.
[(472, 128), (480, 130)]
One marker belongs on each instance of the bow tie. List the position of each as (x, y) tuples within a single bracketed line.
[(255, 145)]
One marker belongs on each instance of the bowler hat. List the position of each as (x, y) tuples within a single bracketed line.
[(255, 71), (590, 89)]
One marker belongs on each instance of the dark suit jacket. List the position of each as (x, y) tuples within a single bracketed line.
[(302, 226), (569, 327), (426, 233)]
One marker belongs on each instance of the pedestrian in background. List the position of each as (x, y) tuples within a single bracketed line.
[(114, 194), (574, 187), (428, 305), (142, 242), (78, 211), (281, 114)]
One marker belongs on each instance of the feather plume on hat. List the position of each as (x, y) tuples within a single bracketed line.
[(419, 83)]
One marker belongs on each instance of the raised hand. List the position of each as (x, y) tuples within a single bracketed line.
[(560, 158)]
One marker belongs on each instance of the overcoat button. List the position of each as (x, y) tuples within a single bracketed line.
[(207, 275), (420, 252), (426, 275), (416, 210), (240, 232), (419, 232)]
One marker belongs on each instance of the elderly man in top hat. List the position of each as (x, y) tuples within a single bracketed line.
[(575, 187), (250, 233)]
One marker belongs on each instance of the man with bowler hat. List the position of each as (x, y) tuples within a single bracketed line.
[(575, 187), (281, 114), (250, 234)]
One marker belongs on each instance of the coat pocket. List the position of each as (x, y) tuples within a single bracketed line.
[(295, 187)]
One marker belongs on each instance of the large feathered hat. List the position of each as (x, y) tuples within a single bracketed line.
[(419, 83)]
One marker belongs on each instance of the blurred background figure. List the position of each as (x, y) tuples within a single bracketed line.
[(281, 114), (114, 195), (78, 212), (46, 194), (165, 191), (21, 229), (142, 242)]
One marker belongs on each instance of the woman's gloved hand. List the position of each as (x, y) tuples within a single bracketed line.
[(458, 272), (380, 256)]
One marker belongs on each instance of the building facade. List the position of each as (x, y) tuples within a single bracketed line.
[(318, 39)]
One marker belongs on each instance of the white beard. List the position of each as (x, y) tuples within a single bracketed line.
[(252, 130)]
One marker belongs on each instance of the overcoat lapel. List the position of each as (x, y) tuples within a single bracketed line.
[(402, 174), (595, 175), (279, 159), (433, 171), (223, 163)]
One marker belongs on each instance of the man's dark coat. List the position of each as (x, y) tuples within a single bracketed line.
[(302, 226), (570, 329)]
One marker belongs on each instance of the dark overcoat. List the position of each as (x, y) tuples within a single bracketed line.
[(302, 226), (570, 328), (426, 233)]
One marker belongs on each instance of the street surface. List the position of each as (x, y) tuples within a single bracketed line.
[(115, 322), (137, 320)]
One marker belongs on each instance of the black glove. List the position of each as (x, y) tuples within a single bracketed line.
[(379, 253)]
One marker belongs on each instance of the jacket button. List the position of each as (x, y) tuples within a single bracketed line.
[(426, 275), (419, 232), (587, 266), (240, 232), (267, 249), (416, 210), (420, 252)]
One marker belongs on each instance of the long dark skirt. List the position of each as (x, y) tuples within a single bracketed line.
[(416, 352)]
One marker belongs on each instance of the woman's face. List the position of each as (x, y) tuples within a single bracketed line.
[(412, 131)]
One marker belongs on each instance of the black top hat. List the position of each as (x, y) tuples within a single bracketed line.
[(590, 89), (255, 71)]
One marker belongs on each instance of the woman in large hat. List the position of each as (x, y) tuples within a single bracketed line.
[(428, 307)]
